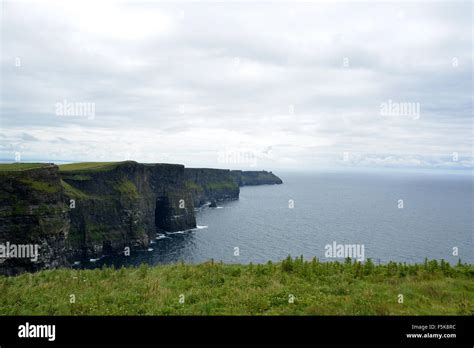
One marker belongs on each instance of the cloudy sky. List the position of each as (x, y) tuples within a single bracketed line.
[(252, 84)]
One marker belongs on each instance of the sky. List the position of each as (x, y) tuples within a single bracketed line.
[(254, 84)]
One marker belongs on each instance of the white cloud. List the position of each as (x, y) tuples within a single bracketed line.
[(181, 82)]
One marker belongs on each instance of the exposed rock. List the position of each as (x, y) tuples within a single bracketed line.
[(85, 211), (33, 212), (248, 178), (126, 206), (207, 185)]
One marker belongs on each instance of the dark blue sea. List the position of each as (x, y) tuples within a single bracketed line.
[(312, 210)]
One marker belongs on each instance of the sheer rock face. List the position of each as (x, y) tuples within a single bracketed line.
[(208, 185), (212, 185), (80, 214), (33, 216), (87, 213), (249, 178), (126, 206)]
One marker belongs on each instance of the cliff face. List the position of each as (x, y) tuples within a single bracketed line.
[(125, 206), (248, 178), (87, 210), (211, 185), (33, 213)]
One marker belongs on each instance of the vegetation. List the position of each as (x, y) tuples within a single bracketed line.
[(88, 166), (77, 177), (7, 167), (211, 186), (73, 192), (84, 166), (40, 185), (226, 185), (191, 185), (432, 288), (127, 188)]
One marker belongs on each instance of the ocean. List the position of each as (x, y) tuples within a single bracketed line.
[(403, 217)]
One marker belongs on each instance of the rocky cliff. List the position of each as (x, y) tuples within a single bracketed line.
[(86, 210), (249, 178), (211, 185), (33, 212), (208, 185), (125, 205)]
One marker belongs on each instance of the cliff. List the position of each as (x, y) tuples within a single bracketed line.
[(249, 178), (86, 210), (208, 185), (33, 212), (211, 185), (120, 205)]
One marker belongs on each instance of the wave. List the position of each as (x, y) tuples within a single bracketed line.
[(198, 227), (178, 232)]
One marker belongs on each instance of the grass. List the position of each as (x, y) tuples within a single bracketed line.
[(222, 186), (333, 288), (40, 185), (73, 192), (83, 166), (127, 188), (88, 166), (77, 177), (14, 167), (191, 185)]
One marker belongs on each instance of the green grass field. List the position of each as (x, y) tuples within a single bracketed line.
[(212, 288), (14, 167), (84, 166)]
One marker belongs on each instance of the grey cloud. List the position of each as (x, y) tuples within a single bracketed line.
[(191, 78), (28, 137)]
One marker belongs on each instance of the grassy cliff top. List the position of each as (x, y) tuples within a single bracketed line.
[(290, 287), (82, 166), (104, 166), (15, 167), (89, 166)]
